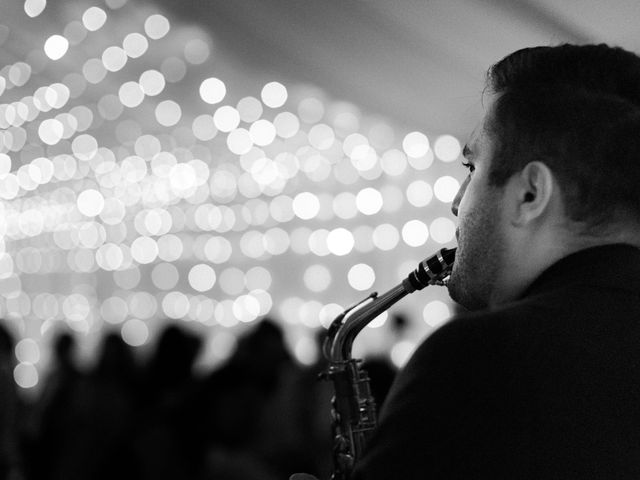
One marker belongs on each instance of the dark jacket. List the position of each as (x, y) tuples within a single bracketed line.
[(547, 387)]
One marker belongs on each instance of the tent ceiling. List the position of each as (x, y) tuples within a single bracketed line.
[(418, 62)]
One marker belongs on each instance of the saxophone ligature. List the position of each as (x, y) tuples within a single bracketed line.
[(353, 407)]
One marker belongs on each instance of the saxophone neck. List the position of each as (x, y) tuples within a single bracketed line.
[(434, 270), (338, 344)]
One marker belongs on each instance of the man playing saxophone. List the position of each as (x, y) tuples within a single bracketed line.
[(541, 378)]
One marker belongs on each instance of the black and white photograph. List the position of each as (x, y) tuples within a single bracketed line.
[(319, 239)]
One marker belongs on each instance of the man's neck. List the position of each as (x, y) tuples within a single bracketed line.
[(527, 259)]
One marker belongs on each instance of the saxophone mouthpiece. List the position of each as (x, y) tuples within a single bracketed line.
[(434, 270)]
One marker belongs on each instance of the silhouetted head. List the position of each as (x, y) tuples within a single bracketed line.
[(174, 355)]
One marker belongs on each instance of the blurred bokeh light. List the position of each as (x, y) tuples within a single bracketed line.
[(139, 184)]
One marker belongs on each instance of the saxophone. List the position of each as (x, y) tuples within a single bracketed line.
[(353, 407)]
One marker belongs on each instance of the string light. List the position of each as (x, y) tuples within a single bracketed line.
[(415, 144), (361, 276), (56, 46), (194, 204), (445, 188), (447, 148), (435, 313), (33, 8), (94, 18)]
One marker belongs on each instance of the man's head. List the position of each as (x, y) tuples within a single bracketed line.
[(557, 164)]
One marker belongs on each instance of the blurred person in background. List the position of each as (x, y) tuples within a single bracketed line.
[(85, 419), (53, 423), (250, 410), (10, 408), (164, 442)]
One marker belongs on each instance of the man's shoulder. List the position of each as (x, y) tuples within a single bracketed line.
[(475, 339), (552, 323), (560, 308), (490, 336), (483, 325)]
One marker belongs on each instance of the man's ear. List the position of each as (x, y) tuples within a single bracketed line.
[(533, 190)]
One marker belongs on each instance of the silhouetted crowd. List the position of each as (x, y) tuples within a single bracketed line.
[(261, 415)]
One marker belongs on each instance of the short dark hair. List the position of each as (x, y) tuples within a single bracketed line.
[(577, 109)]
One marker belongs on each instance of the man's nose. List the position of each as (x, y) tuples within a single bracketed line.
[(454, 205), (458, 198)]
